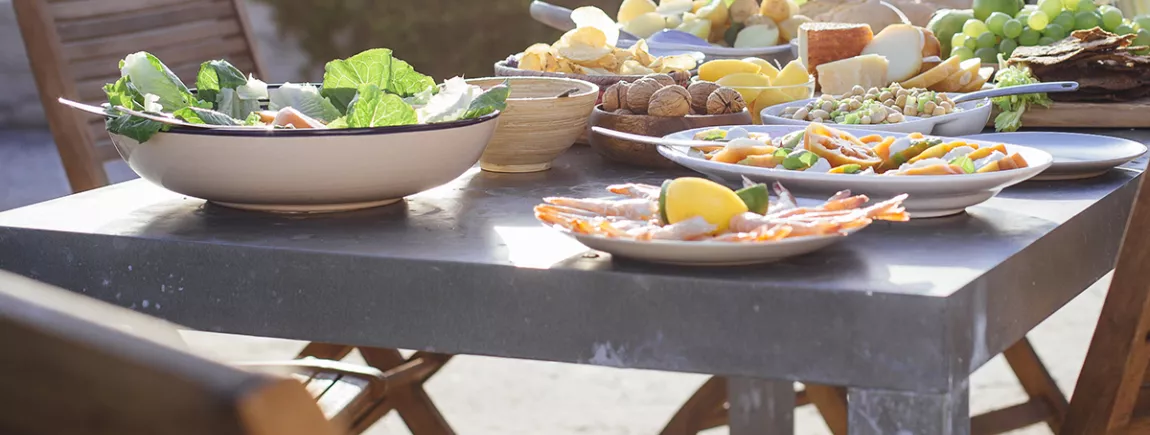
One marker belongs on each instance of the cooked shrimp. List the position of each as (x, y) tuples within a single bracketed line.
[(635, 190), (631, 208)]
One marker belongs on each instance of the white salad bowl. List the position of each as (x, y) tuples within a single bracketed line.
[(308, 170), (929, 195), (970, 119)]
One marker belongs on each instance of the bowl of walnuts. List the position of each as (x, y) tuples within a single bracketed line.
[(655, 105)]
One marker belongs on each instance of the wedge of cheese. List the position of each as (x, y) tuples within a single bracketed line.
[(934, 75), (967, 71), (838, 77), (983, 76), (821, 43), (901, 45)]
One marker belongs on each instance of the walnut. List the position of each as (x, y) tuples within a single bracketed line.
[(725, 100), (670, 101), (699, 92), (623, 112), (663, 79), (639, 94), (615, 96)]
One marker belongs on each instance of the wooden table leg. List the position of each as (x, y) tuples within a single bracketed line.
[(689, 420), (832, 405), (1037, 382)]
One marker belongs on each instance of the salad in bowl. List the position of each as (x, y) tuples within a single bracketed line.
[(374, 131)]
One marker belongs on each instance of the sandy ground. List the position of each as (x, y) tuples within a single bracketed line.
[(480, 395)]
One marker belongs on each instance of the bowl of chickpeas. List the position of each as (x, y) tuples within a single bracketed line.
[(893, 108)]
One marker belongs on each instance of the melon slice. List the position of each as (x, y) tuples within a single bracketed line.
[(983, 76), (901, 45), (934, 75), (967, 71)]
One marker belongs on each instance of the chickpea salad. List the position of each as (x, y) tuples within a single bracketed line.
[(861, 106), (820, 148)]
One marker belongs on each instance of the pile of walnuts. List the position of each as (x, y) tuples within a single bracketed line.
[(658, 95)]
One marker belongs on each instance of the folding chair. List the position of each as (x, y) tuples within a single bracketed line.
[(67, 374)]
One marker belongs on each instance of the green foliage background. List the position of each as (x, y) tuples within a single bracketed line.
[(442, 38)]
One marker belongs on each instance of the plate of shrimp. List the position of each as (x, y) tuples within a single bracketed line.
[(943, 175), (632, 225)]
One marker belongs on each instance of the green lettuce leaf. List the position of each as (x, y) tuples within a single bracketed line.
[(342, 78), (253, 119), (304, 98), (340, 122), (196, 115), (489, 101), (215, 75), (374, 108), (150, 76), (137, 128)]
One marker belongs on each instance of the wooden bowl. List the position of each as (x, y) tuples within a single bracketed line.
[(537, 126), (502, 70), (640, 154)]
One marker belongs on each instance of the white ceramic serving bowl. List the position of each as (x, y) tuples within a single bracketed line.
[(970, 120), (305, 170), (929, 195)]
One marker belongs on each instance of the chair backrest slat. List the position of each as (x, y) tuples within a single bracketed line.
[(1106, 397), (74, 47), (68, 374)]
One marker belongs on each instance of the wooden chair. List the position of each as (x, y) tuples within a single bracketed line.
[(74, 46), (1112, 395), (67, 374)]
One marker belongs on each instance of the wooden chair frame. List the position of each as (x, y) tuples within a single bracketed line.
[(1112, 395), (83, 146)]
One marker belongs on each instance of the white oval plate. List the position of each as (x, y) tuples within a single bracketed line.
[(970, 120), (702, 253), (930, 195), (1076, 155), (780, 52)]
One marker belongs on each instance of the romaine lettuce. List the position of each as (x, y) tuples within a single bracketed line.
[(196, 115), (239, 102), (451, 103), (374, 108), (304, 98), (342, 78), (489, 101), (215, 75), (150, 76)]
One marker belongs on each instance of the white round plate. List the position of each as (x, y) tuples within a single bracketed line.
[(970, 120), (929, 195), (1076, 155), (700, 253)]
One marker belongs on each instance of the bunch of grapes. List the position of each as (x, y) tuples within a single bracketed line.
[(1049, 21)]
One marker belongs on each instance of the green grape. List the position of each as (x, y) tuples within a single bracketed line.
[(1085, 20), (1038, 20), (1124, 29), (971, 43), (958, 40), (1051, 7), (986, 40), (1007, 47), (995, 21), (1070, 5), (1065, 19), (1029, 37), (1142, 22), (1143, 39), (962, 53), (988, 55), (1111, 18), (1086, 6), (1022, 16), (1054, 31), (1046, 40), (1012, 28), (973, 28)]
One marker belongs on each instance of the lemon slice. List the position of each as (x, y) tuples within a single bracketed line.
[(685, 198), (717, 69)]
